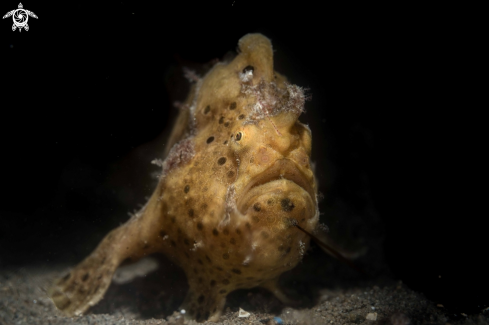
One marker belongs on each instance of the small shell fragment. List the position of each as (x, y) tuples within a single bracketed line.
[(243, 313), (371, 316)]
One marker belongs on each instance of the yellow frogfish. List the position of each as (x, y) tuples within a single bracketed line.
[(234, 185)]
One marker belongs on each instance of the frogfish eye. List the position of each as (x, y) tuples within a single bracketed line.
[(239, 135)]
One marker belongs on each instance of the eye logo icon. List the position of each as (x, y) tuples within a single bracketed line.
[(20, 17)]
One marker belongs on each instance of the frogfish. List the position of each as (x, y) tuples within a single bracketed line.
[(236, 182)]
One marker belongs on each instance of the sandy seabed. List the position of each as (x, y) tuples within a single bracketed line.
[(143, 299)]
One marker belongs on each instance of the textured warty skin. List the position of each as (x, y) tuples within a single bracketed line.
[(236, 176)]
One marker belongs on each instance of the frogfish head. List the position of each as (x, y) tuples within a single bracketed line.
[(249, 172)]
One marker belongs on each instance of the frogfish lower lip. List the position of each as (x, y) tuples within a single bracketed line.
[(283, 169)]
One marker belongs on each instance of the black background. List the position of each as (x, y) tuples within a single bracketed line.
[(392, 94)]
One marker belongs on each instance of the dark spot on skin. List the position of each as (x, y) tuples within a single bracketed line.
[(264, 234), (200, 262), (186, 241), (255, 219), (195, 271), (233, 105), (218, 268), (225, 281), (257, 207), (221, 161), (226, 142), (248, 68), (233, 241), (287, 205), (186, 189), (186, 254), (213, 283), (172, 218), (215, 232), (191, 213), (221, 120), (270, 202), (200, 226), (210, 139), (230, 174), (146, 246), (201, 299), (207, 109), (208, 259), (173, 244), (66, 277), (225, 232), (222, 291), (241, 117), (226, 124), (236, 271), (280, 248), (250, 278), (206, 315), (287, 251), (238, 231), (85, 277), (225, 256), (248, 225), (200, 280)]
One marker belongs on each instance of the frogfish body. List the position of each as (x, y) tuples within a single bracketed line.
[(233, 185)]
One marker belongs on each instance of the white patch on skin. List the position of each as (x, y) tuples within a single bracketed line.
[(158, 162), (194, 102), (314, 220), (254, 246), (230, 206), (181, 153), (198, 244), (246, 76), (247, 259), (302, 248), (191, 75)]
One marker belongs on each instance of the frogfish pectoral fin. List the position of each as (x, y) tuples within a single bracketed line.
[(87, 283)]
